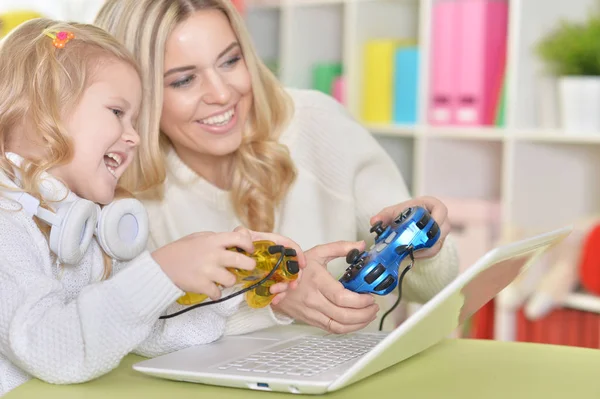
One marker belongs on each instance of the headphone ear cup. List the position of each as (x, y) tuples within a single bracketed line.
[(122, 229), (70, 239)]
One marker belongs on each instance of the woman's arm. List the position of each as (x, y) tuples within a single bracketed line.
[(350, 161)]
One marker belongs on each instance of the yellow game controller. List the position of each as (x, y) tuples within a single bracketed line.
[(270, 258)]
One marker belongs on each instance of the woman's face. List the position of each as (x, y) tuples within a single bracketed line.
[(207, 87)]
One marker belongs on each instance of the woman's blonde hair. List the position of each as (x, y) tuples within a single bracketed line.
[(263, 169), (40, 83)]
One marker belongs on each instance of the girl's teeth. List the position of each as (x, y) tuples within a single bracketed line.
[(219, 120), (111, 170)]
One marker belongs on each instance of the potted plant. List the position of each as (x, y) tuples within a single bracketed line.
[(572, 53)]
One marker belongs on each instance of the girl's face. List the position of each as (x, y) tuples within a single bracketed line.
[(102, 128), (207, 87)]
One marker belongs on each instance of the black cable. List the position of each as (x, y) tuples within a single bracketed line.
[(168, 316), (400, 279)]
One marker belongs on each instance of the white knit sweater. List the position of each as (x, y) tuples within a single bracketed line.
[(344, 178), (63, 325)]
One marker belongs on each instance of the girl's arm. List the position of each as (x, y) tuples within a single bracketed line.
[(68, 340)]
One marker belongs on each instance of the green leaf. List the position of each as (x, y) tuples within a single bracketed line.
[(573, 48)]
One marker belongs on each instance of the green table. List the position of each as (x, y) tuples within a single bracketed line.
[(453, 369)]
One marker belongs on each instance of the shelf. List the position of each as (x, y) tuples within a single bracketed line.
[(402, 151), (465, 133), (462, 169), (583, 302), (479, 133), (549, 136), (392, 130), (305, 48), (553, 184)]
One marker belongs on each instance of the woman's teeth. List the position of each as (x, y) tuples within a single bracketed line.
[(112, 161), (219, 120)]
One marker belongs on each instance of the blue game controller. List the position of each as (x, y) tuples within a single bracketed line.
[(376, 271)]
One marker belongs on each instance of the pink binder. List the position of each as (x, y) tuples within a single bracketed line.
[(444, 62), (482, 47)]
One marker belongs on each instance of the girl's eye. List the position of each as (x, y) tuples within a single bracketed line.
[(117, 112), (183, 82)]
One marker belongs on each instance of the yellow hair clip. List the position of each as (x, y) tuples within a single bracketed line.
[(59, 39)]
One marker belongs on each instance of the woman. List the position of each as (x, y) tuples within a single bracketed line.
[(239, 149)]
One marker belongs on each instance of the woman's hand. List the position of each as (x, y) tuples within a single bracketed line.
[(322, 301), (438, 211)]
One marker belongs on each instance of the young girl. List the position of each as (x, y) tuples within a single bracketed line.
[(69, 99)]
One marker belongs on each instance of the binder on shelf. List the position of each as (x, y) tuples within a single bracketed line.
[(444, 62), (406, 85), (339, 89), (378, 80), (324, 74), (482, 52)]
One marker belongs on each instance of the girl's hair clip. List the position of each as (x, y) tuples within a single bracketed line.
[(60, 38)]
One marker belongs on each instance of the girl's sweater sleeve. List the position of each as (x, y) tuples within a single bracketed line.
[(68, 341)]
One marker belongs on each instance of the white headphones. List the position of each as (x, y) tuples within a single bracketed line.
[(120, 227)]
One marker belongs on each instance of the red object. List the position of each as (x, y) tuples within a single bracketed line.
[(568, 327), (589, 269), (239, 4), (482, 326)]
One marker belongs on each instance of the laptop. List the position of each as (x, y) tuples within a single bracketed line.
[(306, 360)]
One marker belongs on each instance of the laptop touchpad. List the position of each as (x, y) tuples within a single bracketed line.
[(205, 356)]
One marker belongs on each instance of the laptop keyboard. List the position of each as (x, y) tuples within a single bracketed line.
[(307, 356)]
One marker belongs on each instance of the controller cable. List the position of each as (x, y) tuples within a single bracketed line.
[(400, 279), (280, 249)]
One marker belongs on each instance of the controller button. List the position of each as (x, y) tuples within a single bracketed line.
[(377, 228), (390, 237), (291, 252), (380, 247), (347, 276), (374, 274), (402, 217), (389, 280), (352, 256), (424, 220), (261, 290), (293, 267), (433, 231), (275, 249), (400, 250)]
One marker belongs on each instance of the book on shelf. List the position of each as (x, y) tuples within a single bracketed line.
[(390, 81), (469, 40)]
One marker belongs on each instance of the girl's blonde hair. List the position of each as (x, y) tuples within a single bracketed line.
[(40, 84), (263, 169)]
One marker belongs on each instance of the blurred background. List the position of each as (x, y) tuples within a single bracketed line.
[(491, 105)]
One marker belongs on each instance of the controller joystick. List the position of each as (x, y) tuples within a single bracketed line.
[(376, 271), (377, 228), (267, 256), (352, 256)]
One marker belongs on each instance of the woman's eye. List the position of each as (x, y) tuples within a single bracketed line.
[(117, 112), (183, 82), (232, 61)]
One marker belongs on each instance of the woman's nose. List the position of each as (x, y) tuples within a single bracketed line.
[(217, 90)]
